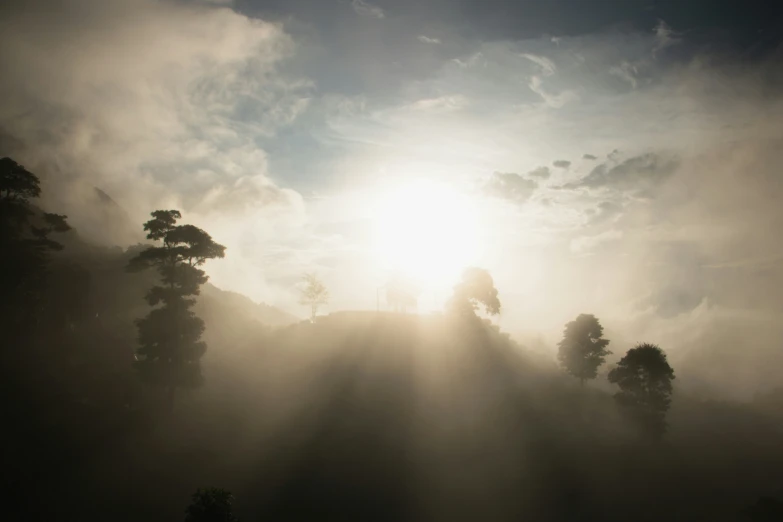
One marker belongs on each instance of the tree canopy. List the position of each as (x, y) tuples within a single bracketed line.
[(313, 293), (645, 380), (169, 336), (17, 183), (475, 288), (25, 240), (583, 349)]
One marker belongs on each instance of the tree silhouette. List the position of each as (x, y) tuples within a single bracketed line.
[(211, 505), (476, 288), (169, 336), (645, 380), (583, 348), (24, 238), (313, 294)]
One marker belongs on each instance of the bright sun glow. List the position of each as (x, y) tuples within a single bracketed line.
[(429, 231)]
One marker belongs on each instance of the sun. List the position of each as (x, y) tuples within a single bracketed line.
[(428, 231)]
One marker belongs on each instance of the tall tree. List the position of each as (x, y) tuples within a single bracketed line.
[(583, 348), (475, 288), (645, 380), (170, 348), (313, 294), (25, 244)]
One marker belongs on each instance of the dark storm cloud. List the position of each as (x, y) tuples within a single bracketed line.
[(510, 186), (589, 157), (561, 164)]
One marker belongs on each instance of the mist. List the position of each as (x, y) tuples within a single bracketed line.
[(322, 257)]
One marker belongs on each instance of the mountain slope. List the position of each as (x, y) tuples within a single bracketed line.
[(233, 306)]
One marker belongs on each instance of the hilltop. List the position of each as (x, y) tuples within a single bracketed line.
[(356, 416)]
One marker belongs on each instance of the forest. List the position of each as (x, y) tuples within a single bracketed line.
[(136, 391)]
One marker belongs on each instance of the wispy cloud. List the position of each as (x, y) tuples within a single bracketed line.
[(626, 71), (470, 61), (510, 186), (665, 37), (636, 173), (427, 40), (179, 105), (441, 103), (547, 68), (367, 9), (554, 100)]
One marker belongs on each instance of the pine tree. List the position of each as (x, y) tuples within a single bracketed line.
[(25, 245), (170, 348)]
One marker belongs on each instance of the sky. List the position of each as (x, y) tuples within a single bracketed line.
[(612, 157)]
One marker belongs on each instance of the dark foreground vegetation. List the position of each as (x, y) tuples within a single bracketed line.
[(357, 416)]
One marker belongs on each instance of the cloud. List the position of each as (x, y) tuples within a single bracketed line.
[(547, 68), (428, 40), (585, 245), (470, 61), (561, 164), (627, 72), (664, 37), (156, 102), (701, 251), (540, 172), (635, 173), (606, 211), (243, 193), (441, 103), (641, 69), (552, 100), (546, 65), (367, 9), (510, 186), (160, 105)]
